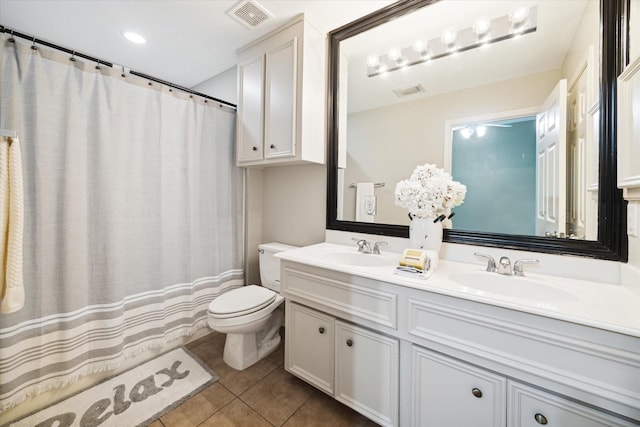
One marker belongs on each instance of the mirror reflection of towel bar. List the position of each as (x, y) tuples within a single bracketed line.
[(376, 184)]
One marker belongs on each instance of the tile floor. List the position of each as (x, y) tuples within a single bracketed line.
[(262, 395)]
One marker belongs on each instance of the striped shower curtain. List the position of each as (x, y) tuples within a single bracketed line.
[(133, 216)]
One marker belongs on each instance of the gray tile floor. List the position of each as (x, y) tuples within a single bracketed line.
[(262, 395)]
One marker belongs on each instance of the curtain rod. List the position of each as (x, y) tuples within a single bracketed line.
[(35, 40)]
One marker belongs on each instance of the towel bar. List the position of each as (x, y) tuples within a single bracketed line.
[(376, 184), (9, 133)]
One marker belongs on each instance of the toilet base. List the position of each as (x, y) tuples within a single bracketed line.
[(243, 350)]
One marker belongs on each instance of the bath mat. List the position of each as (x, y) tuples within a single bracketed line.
[(133, 398)]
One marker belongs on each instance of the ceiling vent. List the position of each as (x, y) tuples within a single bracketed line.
[(249, 13), (409, 90)]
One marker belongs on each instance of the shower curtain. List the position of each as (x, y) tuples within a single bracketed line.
[(133, 216)]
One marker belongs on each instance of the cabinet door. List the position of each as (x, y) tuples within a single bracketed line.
[(448, 392), (249, 145), (367, 372), (531, 407), (309, 345), (280, 101)]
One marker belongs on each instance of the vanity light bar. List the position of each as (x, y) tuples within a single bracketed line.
[(499, 29)]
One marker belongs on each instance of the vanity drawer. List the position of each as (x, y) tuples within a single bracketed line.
[(587, 364), (348, 300), (530, 407)]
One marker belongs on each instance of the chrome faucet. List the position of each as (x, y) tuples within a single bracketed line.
[(504, 266), (518, 269), (364, 246)]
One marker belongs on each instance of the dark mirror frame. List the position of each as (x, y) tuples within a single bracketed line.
[(612, 238)]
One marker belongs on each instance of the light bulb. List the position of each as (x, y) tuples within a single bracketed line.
[(394, 54), (481, 28), (373, 60), (481, 131)]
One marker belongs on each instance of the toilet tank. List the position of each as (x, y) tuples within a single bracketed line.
[(270, 265)]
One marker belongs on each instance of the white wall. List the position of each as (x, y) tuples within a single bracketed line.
[(222, 86)]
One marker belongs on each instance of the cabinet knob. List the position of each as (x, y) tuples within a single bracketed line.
[(321, 329), (540, 419), (272, 146), (254, 148), (476, 392), (349, 342)]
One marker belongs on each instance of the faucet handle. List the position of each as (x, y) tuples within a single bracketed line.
[(376, 246), (518, 269), (491, 263)]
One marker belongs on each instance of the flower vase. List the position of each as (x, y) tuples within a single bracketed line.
[(425, 234)]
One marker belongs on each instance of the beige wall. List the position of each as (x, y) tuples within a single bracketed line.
[(294, 204), (392, 140)]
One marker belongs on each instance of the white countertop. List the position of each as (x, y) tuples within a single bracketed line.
[(605, 306)]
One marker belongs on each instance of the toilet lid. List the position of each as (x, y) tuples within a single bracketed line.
[(240, 301)]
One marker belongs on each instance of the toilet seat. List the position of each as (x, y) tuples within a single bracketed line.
[(241, 301)]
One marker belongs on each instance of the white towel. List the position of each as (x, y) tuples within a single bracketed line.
[(365, 202), (11, 225)]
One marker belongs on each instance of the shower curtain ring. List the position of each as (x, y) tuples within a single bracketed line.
[(33, 45), (123, 72), (98, 65), (73, 59), (11, 39)]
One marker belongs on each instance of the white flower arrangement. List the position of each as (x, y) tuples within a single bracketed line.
[(429, 192)]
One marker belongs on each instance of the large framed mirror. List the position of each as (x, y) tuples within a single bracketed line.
[(402, 94)]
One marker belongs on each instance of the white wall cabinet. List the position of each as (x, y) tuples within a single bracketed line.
[(281, 98), (629, 131), (363, 363)]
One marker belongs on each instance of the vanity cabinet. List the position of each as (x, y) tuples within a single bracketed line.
[(402, 355), (447, 391), (364, 363), (311, 353), (367, 372), (281, 85)]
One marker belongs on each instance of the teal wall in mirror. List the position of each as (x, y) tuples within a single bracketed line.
[(499, 170)]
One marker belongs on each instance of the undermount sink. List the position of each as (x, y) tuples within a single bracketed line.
[(359, 259), (512, 286)]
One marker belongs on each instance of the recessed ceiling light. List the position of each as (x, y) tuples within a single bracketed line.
[(134, 37)]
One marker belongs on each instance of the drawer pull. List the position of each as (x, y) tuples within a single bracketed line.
[(254, 148), (349, 342), (540, 419), (272, 146), (476, 392), (321, 329)]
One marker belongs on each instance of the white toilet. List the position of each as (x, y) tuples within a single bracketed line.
[(250, 316)]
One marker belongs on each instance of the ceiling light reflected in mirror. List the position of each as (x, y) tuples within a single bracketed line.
[(521, 20)]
